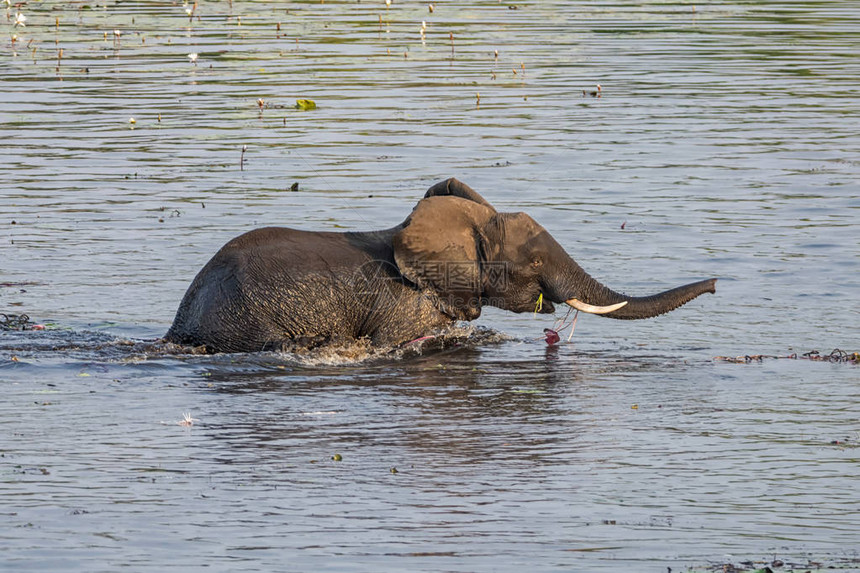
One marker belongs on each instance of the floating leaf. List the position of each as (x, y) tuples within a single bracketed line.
[(305, 104)]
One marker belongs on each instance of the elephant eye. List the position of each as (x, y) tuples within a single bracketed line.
[(536, 262)]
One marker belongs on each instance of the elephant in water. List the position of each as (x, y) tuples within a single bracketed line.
[(276, 288)]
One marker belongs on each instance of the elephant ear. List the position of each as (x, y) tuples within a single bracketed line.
[(455, 188), (439, 248)]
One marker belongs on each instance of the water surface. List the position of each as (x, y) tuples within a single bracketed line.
[(724, 144)]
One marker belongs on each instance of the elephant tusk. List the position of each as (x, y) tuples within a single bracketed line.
[(590, 308)]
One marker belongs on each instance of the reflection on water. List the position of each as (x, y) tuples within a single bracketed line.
[(484, 455), (723, 144)]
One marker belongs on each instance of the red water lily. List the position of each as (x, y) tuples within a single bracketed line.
[(552, 336)]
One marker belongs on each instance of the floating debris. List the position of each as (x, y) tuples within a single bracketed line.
[(772, 564), (836, 355), (18, 322), (305, 104), (597, 93), (186, 420), (189, 10)]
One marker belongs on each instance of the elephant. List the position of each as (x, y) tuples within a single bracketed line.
[(277, 288)]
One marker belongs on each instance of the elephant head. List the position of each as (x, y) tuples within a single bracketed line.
[(457, 245)]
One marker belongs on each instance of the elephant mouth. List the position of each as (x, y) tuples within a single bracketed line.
[(591, 309)]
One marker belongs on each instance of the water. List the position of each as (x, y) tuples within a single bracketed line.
[(725, 141)]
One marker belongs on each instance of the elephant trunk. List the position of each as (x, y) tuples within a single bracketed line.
[(577, 288)]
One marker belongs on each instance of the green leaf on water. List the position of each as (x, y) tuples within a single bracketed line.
[(305, 104)]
